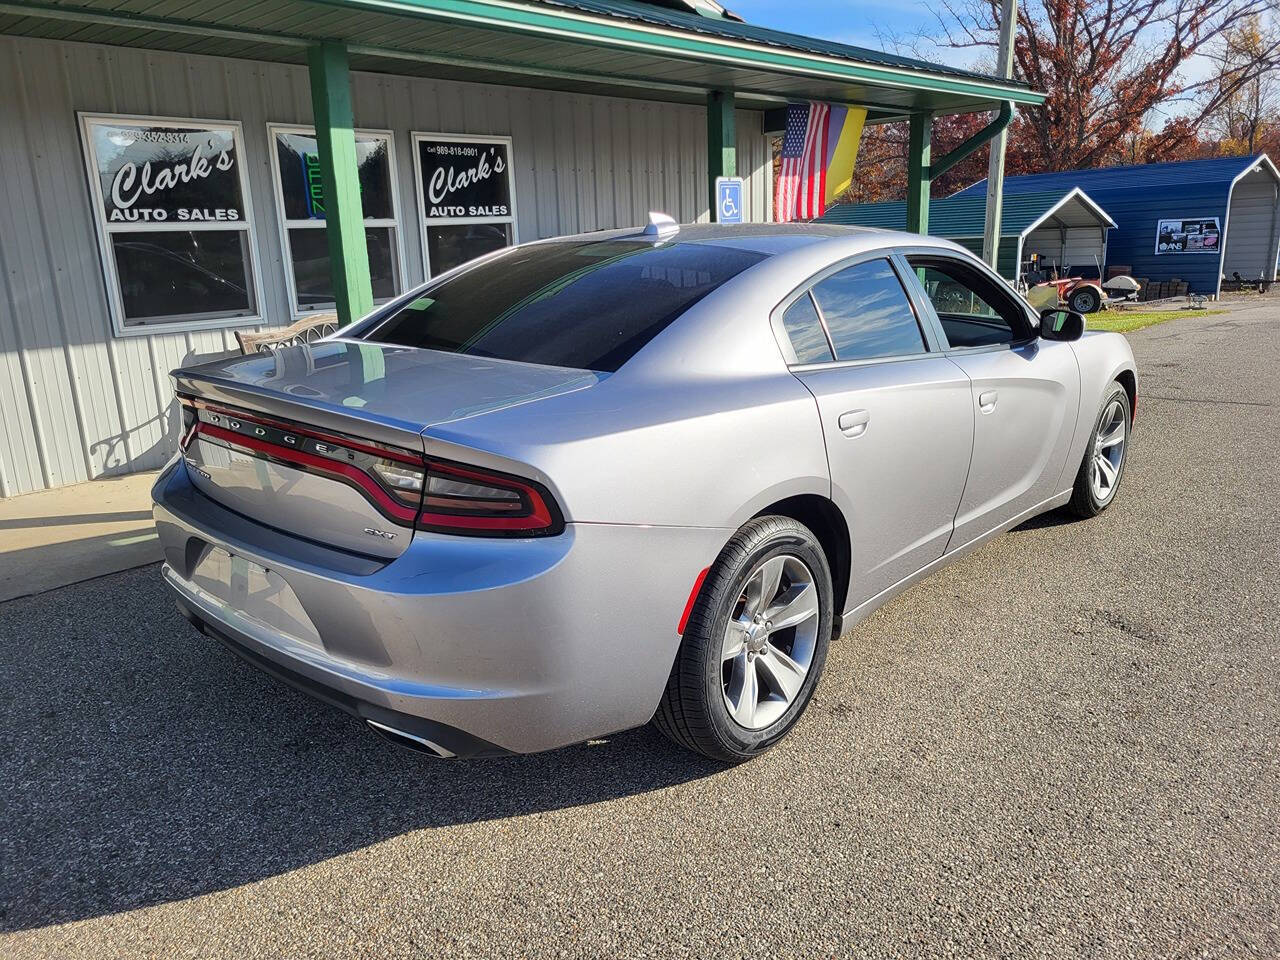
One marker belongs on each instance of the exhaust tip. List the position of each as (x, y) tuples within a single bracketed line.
[(410, 741)]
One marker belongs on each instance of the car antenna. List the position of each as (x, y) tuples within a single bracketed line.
[(661, 226)]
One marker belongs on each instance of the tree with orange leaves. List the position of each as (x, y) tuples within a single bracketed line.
[(1106, 66)]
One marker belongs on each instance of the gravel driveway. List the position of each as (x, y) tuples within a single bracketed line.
[(1067, 744)]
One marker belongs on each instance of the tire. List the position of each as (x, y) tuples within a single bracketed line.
[(1089, 497), (710, 705), (1085, 300)]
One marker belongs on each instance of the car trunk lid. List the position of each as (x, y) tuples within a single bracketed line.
[(309, 439)]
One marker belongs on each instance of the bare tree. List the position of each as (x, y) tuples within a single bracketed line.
[(1106, 65), (1246, 88)]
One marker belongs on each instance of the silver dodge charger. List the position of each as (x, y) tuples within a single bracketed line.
[(648, 474)]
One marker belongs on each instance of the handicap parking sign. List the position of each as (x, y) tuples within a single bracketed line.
[(728, 199)]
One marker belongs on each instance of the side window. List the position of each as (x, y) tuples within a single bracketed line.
[(803, 326), (867, 313), (973, 310)]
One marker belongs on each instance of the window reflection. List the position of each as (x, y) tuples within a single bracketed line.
[(165, 274), (309, 250), (569, 304), (805, 330), (868, 313)]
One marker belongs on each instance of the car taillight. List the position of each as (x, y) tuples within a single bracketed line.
[(401, 480), (404, 486), (188, 422), (471, 500)]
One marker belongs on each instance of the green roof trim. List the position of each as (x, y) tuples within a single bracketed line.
[(684, 40), (588, 46), (652, 11)]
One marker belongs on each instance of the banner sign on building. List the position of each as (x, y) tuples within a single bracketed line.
[(1197, 235), (171, 207), (159, 174), (465, 180), (466, 195)]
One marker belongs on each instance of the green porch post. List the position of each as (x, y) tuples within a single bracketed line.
[(344, 218), (722, 143), (919, 156)]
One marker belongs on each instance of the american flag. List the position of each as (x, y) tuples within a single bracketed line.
[(800, 193)]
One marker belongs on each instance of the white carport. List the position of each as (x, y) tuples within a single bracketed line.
[(1071, 235), (1066, 227), (1251, 229)]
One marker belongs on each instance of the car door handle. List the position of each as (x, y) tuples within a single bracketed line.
[(854, 423), (987, 400)]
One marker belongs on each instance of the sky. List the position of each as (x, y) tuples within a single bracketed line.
[(840, 20), (872, 23)]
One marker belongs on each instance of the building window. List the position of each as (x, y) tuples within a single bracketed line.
[(466, 197), (172, 209), (300, 202)]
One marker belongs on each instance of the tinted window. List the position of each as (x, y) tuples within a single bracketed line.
[(805, 330), (298, 159), (456, 243), (968, 318), (167, 273), (566, 304), (309, 250), (973, 311), (867, 312)]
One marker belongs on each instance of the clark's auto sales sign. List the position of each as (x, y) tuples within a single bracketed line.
[(465, 180), (171, 175)]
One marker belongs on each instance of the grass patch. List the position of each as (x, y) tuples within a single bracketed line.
[(1124, 321)]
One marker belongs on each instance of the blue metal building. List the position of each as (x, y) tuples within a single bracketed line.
[(1198, 220), (1065, 227)]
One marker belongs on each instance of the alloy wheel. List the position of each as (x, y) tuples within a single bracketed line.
[(769, 641), (1108, 451)]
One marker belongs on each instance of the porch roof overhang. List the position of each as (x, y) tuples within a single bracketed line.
[(617, 47)]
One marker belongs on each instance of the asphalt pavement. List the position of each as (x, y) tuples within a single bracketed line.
[(1067, 744)]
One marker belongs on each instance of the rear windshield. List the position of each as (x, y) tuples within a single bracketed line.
[(565, 304)]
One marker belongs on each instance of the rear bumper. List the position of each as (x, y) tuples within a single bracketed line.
[(431, 737), (477, 645)]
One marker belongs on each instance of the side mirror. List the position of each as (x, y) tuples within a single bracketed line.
[(1061, 325)]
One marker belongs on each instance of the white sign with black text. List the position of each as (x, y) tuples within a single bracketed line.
[(171, 207), (160, 174), (462, 180), (466, 196)]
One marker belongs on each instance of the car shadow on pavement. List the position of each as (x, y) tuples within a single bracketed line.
[(146, 764), (1054, 518)]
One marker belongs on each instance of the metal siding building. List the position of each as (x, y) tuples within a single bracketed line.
[(1243, 193), (1065, 227), (79, 403), (608, 108)]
